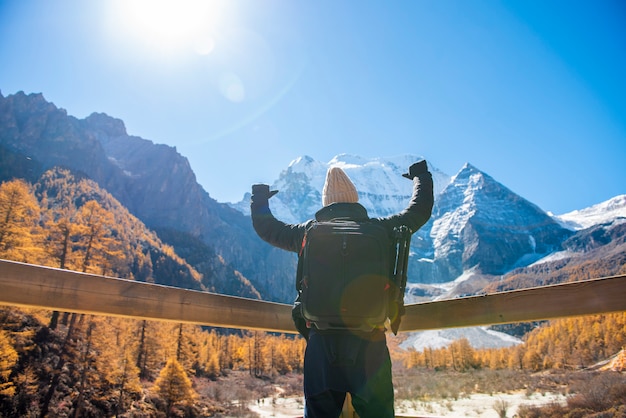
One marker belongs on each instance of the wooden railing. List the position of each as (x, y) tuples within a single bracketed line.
[(69, 291), (35, 286)]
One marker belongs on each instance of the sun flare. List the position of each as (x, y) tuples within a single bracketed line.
[(168, 25)]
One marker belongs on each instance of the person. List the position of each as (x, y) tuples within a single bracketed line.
[(341, 362)]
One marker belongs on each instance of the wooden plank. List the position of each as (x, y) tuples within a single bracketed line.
[(587, 297), (35, 286), (63, 290)]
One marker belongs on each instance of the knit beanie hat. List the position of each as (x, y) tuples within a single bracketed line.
[(338, 188)]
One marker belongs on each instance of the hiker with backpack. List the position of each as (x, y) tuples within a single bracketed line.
[(348, 289)]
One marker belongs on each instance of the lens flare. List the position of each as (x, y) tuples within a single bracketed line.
[(169, 25)]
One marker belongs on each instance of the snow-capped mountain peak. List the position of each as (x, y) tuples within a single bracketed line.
[(479, 228), (606, 211), (471, 219), (379, 182), (476, 223)]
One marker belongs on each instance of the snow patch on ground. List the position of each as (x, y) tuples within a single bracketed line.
[(478, 337), (475, 405), (560, 255)]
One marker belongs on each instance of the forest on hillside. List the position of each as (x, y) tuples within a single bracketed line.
[(67, 221), (60, 364)]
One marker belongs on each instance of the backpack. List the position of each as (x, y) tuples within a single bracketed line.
[(347, 275)]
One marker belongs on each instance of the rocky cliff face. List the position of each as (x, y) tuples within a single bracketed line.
[(150, 180), (39, 131), (153, 181), (159, 182), (590, 253)]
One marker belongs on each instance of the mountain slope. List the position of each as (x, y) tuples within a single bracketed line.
[(479, 224), (594, 252), (153, 181)]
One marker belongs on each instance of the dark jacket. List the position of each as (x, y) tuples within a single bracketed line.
[(289, 236)]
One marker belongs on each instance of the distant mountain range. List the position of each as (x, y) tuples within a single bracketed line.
[(481, 234), (478, 226)]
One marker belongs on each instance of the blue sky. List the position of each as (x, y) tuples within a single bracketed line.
[(531, 92)]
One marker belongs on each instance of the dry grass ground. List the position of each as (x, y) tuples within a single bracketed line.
[(479, 393)]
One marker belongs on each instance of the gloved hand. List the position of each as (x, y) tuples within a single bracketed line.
[(261, 192), (416, 169)]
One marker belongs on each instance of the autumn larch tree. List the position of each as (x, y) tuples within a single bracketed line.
[(173, 386), (8, 359), (19, 215)]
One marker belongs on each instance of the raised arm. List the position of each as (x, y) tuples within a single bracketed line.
[(420, 207), (277, 233)]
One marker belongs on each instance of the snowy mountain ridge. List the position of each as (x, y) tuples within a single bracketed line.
[(381, 176), (479, 228), (600, 213), (379, 182), (474, 215)]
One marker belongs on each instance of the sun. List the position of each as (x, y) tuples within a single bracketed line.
[(169, 25)]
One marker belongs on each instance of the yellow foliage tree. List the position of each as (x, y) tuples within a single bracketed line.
[(19, 216), (173, 385), (8, 359), (98, 243), (116, 345)]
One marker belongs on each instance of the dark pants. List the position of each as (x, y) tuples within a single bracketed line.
[(336, 364)]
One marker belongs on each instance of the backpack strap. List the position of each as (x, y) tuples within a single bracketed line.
[(402, 242)]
